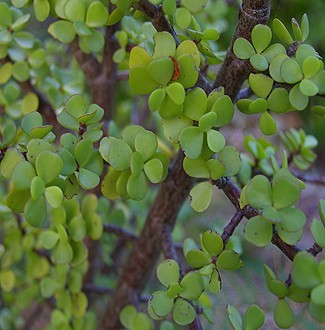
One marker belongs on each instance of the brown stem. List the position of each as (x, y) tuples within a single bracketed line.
[(146, 250), (170, 197), (231, 226), (233, 71)]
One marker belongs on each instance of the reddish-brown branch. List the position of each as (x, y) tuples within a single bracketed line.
[(233, 192), (170, 197), (231, 226), (146, 250), (233, 71)]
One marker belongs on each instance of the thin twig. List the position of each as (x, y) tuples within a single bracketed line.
[(121, 232), (231, 226)]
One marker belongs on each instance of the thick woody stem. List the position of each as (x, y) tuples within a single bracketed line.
[(233, 71), (172, 193)]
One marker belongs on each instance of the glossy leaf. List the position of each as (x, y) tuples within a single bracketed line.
[(200, 196), (258, 231), (168, 272)]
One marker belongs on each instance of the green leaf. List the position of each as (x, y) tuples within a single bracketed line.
[(63, 31), (207, 121), (259, 62), (229, 260), (17, 200), (11, 159), (88, 179), (97, 15), (257, 106), (285, 188), (230, 158), (193, 284), (260, 84), (168, 272), (277, 287), (161, 70), (183, 18), (297, 98), (75, 10), (30, 103), (83, 152), (196, 168), (267, 124), (254, 318), (290, 71), (191, 141), (119, 154), (243, 49), (305, 271), (164, 45), (317, 312), (321, 210), (308, 88), (304, 27), (156, 98), (7, 280), (258, 231), (127, 316), (75, 106), (5, 15), (258, 192), (278, 100), (283, 315), (216, 168), (137, 187), (281, 32), (194, 6), (154, 170), (176, 92), (224, 109), (62, 253), (48, 286), (161, 303), (146, 144), (41, 9), (48, 166), (139, 57), (200, 196), (234, 317), (5, 70), (293, 219), (318, 295), (169, 6), (108, 187), (261, 37), (37, 187), (318, 232), (197, 259), (296, 29), (188, 71), (183, 312), (141, 81), (195, 104), (188, 47), (212, 242), (48, 239), (275, 67), (35, 212), (23, 175), (54, 196)]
